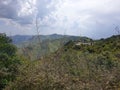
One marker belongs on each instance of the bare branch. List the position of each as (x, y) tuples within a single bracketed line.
[(37, 29), (117, 29)]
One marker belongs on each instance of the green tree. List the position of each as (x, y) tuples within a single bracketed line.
[(8, 61)]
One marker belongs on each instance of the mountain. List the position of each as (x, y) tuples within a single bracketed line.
[(17, 39), (31, 47)]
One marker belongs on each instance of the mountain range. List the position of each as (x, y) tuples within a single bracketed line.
[(33, 47)]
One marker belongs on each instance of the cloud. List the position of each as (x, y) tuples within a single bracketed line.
[(93, 18), (24, 11), (11, 9), (8, 9)]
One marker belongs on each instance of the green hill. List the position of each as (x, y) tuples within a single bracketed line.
[(34, 49)]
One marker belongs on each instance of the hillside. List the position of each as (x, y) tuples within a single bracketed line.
[(18, 39), (33, 49), (81, 67)]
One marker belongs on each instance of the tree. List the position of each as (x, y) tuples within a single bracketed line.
[(9, 61)]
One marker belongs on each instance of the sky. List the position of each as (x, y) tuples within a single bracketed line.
[(91, 18)]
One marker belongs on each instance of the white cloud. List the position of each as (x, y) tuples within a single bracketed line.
[(85, 9), (89, 17), (28, 7)]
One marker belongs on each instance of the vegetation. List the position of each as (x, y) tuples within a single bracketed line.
[(9, 61), (32, 49), (74, 67)]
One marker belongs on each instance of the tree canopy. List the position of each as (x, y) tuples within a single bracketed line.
[(9, 61)]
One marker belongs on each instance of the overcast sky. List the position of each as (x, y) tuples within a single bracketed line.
[(92, 18)]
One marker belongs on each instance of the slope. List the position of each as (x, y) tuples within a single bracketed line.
[(85, 67)]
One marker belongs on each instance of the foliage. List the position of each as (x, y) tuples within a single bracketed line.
[(84, 67), (8, 61), (49, 44)]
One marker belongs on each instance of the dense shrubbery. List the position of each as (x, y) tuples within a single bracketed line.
[(84, 67), (9, 61)]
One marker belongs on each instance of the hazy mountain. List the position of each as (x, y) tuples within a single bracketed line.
[(17, 39), (34, 48)]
